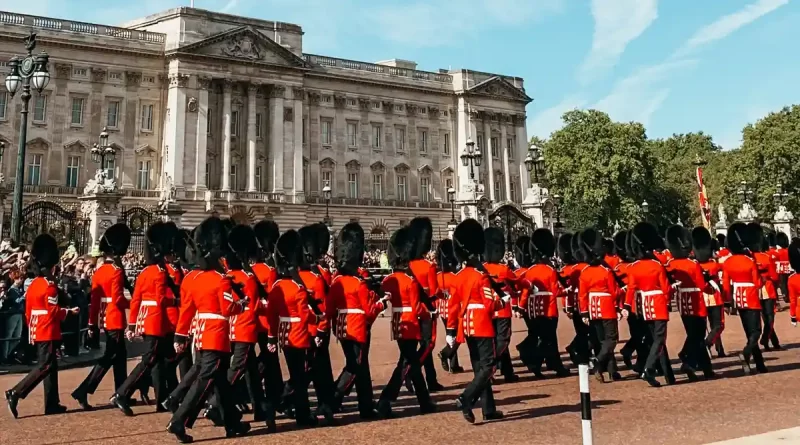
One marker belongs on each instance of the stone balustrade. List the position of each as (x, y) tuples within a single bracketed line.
[(334, 62), (10, 18)]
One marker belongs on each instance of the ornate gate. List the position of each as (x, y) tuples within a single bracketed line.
[(513, 222), (48, 217), (138, 219)]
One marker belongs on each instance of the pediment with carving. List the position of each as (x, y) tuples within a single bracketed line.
[(401, 168), (499, 88), (145, 150), (353, 165), (245, 44), (38, 144), (327, 163), (447, 171), (378, 167), (425, 169), (76, 146)]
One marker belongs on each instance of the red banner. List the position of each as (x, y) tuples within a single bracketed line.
[(705, 210)]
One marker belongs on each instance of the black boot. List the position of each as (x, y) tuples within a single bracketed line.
[(180, 433), (466, 410), (12, 400), (83, 399), (122, 404)]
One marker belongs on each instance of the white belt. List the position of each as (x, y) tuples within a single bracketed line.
[(39, 312), (401, 309), (543, 294), (210, 316), (351, 311), (105, 300), (689, 289), (599, 294), (148, 303), (289, 319), (475, 306), (744, 285), (652, 293)]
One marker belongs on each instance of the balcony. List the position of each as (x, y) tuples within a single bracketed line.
[(367, 202), (10, 18), (414, 75)]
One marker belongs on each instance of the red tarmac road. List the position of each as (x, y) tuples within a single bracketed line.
[(537, 412)]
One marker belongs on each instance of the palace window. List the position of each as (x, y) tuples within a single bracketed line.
[(112, 115), (495, 150), (34, 169), (448, 184), (258, 178), (111, 168), (327, 132), (400, 139), (147, 117), (402, 192), (479, 141), (208, 174), (446, 146), (3, 104), (77, 111), (40, 108), (377, 186), (209, 120), (258, 125), (376, 136), (425, 189), (423, 141), (352, 185), (498, 189), (327, 176), (513, 191), (232, 176), (234, 123), (143, 175), (73, 169), (510, 147), (352, 134)]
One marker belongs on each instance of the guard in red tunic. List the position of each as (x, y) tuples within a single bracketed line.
[(212, 301), (782, 263), (612, 259), (501, 274), (473, 304), (107, 311), (769, 279), (722, 252), (691, 287), (527, 348), (351, 308), (702, 246), (573, 258), (448, 266), (793, 282), (648, 277), (741, 283), (44, 317), (179, 267), (636, 342), (598, 299), (408, 311), (147, 319), (540, 303)]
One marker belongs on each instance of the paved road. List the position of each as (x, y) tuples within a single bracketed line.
[(538, 412)]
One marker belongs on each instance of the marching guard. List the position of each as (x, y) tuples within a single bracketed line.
[(769, 279), (448, 266)]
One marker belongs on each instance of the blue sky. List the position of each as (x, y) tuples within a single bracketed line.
[(674, 65)]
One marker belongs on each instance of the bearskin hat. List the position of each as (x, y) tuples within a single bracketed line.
[(171, 231), (468, 239), (211, 240), (243, 245), (721, 240), (159, 242), (592, 243), (44, 254), (543, 244), (402, 245), (772, 238), (679, 241), (181, 243), (620, 244), (309, 237), (495, 247), (702, 244), (565, 248), (267, 233), (446, 256), (737, 239), (115, 240), (422, 230), (755, 237), (522, 251), (350, 246), (578, 254), (645, 239), (608, 245), (782, 240), (794, 254), (323, 238), (288, 252)]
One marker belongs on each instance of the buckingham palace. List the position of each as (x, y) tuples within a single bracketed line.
[(231, 116)]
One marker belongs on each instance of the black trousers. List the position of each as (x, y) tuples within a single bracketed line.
[(768, 316), (355, 373), (319, 358), (296, 364), (243, 372), (543, 338), (636, 343), (483, 358), (409, 365), (212, 377), (269, 367), (152, 363), (450, 353), (580, 343), (607, 331), (179, 393), (751, 323), (716, 322), (694, 349), (658, 349), (502, 329), (114, 355), (45, 372), (426, 345)]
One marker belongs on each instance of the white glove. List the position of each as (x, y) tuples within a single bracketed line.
[(506, 297), (318, 342), (625, 313), (451, 341), (794, 324)]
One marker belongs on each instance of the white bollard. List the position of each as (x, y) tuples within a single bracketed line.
[(586, 405)]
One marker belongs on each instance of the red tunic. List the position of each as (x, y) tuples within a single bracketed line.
[(503, 275), (425, 273), (244, 326), (351, 308), (472, 305), (545, 289), (267, 276), (598, 293), (794, 293), (289, 315), (741, 281), (318, 290), (713, 294), (108, 302), (43, 312), (723, 254), (407, 308), (326, 275), (573, 275), (172, 311), (149, 302), (649, 278), (769, 275), (612, 261), (782, 266), (186, 290), (212, 302), (692, 286), (446, 282)]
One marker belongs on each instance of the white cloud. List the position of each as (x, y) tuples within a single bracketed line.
[(616, 24), (728, 24), (549, 120), (229, 6)]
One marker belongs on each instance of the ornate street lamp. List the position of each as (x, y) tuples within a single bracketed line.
[(25, 71), (451, 195), (471, 157), (780, 196), (698, 161), (534, 161), (645, 208), (326, 193), (745, 193), (557, 201), (103, 152)]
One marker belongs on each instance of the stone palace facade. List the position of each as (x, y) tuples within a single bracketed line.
[(232, 116)]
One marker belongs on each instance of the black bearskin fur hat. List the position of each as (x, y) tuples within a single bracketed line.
[(44, 254), (211, 240), (495, 247), (608, 245), (522, 251), (310, 242), (422, 230), (288, 252), (115, 240), (592, 244), (702, 244), (181, 243), (171, 231), (159, 238), (323, 238), (243, 246), (755, 237), (446, 256), (565, 248), (350, 248), (645, 240), (679, 241), (721, 241), (402, 245), (267, 233), (577, 251), (782, 240), (738, 239), (794, 255), (621, 245), (772, 238), (468, 239), (543, 244)]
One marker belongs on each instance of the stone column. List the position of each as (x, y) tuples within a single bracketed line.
[(102, 210), (227, 88), (506, 163), (522, 151), (201, 143), (176, 133), (466, 130), (488, 159), (276, 136), (297, 126), (3, 194), (251, 136)]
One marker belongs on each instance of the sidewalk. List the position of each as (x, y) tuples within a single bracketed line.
[(791, 435)]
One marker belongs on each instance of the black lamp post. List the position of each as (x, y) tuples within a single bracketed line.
[(557, 201), (326, 192), (780, 196), (645, 210), (471, 157), (102, 152), (534, 161), (451, 195), (745, 193), (25, 71)]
